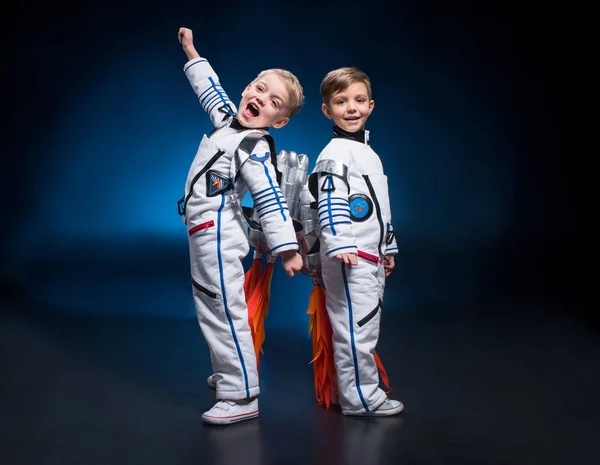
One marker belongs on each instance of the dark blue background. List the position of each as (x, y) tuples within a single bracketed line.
[(103, 125)]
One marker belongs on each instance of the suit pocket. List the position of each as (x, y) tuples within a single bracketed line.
[(370, 315), (204, 290)]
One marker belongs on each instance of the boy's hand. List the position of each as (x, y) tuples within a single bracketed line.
[(291, 261), (187, 40), (185, 37), (388, 264), (348, 258)]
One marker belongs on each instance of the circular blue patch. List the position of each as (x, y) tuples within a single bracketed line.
[(361, 207)]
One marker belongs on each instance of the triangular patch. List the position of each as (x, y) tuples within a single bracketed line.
[(216, 184), (226, 109)]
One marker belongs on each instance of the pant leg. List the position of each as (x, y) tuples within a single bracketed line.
[(216, 255), (353, 306)]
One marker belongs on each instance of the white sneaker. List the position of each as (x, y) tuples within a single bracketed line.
[(387, 408), (212, 381), (225, 412)]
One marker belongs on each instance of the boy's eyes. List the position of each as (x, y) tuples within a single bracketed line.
[(274, 102), (342, 101)]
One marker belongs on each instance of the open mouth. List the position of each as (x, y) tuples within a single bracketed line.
[(252, 110), (352, 118)]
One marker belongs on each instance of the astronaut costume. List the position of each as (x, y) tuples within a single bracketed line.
[(354, 215), (229, 162)]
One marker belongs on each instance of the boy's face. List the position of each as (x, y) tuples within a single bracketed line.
[(264, 103), (349, 108)]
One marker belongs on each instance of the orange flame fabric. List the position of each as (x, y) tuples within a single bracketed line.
[(382, 373), (251, 278), (322, 348), (258, 307)]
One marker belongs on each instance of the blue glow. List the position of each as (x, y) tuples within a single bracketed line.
[(108, 172)]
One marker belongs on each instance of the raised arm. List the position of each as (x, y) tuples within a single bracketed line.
[(205, 82)]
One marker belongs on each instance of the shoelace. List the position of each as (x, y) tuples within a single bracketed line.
[(231, 403), (386, 403)]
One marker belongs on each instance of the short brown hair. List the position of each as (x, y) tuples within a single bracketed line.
[(339, 79), (292, 85)]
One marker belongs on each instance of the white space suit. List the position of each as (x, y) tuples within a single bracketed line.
[(354, 217), (229, 162)]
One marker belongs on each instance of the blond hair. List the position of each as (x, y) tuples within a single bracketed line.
[(340, 79), (292, 85)]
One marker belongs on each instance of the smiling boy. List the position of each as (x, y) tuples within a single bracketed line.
[(357, 241)]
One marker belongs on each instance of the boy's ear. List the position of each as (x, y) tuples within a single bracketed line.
[(371, 106), (281, 123), (247, 88), (325, 110)]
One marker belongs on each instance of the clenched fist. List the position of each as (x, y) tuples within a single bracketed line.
[(186, 37)]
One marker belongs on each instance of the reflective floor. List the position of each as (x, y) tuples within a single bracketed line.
[(501, 384)]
